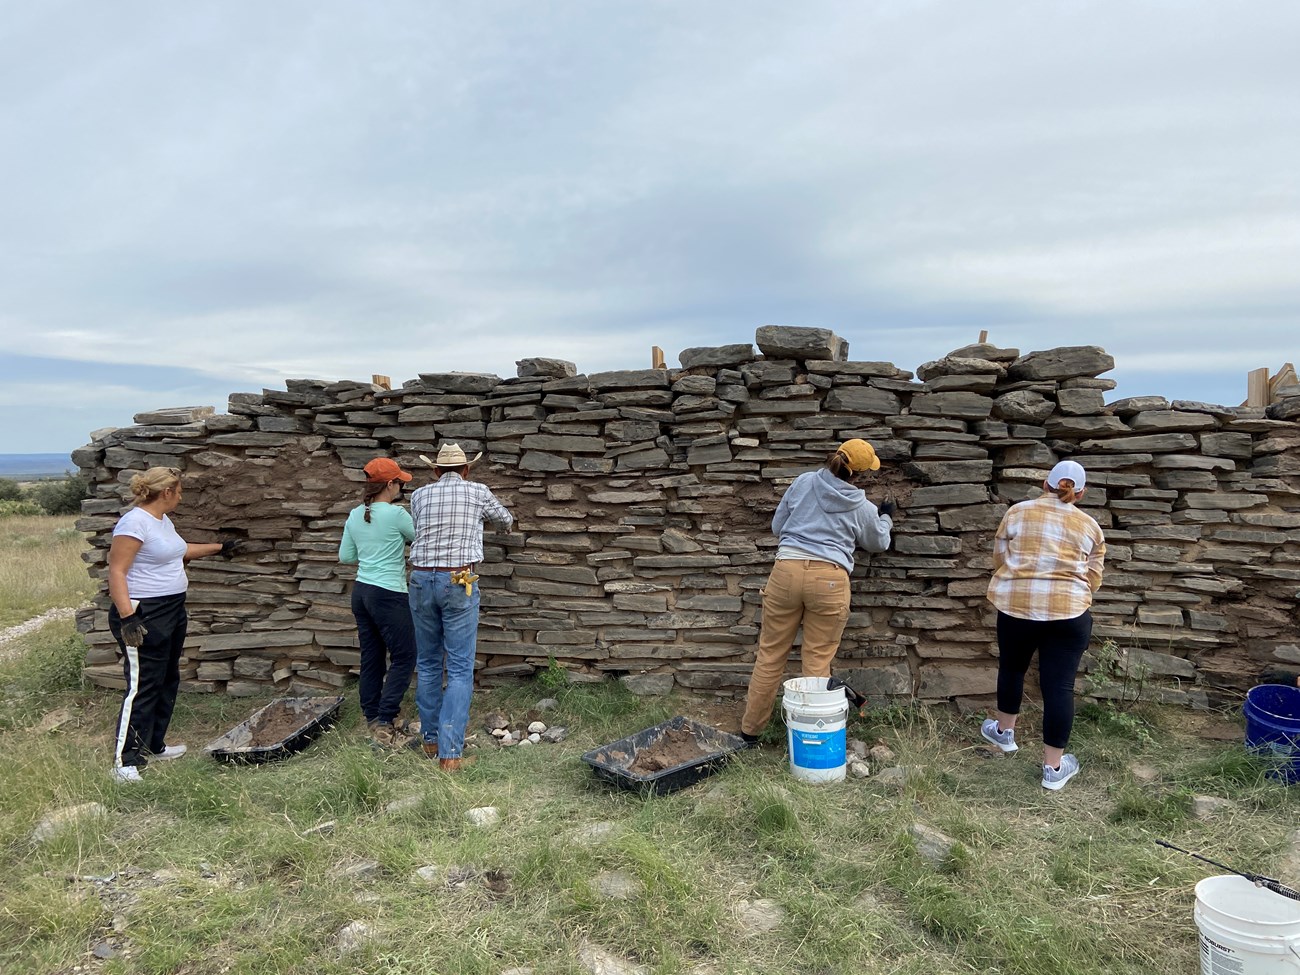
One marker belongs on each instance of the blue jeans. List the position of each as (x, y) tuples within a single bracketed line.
[(446, 628), (387, 641)]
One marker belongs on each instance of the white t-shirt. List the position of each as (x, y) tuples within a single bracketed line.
[(159, 567)]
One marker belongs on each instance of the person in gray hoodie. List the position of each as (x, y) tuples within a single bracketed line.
[(821, 519)]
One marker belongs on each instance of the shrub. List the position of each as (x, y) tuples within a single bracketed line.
[(10, 490), (62, 497), (552, 676), (19, 509)]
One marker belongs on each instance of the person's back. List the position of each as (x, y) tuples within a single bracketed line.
[(449, 516), (1046, 560), (827, 518), (378, 546)]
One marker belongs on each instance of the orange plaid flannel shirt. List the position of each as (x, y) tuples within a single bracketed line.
[(1047, 560)]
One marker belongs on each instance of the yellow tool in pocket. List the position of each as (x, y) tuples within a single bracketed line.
[(464, 578)]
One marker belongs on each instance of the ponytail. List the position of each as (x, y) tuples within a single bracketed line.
[(1065, 490), (369, 492), (838, 465)]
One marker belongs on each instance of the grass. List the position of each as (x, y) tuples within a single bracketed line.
[(40, 567), (217, 869), (206, 868)]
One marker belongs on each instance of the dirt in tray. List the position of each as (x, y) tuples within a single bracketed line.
[(676, 746), (276, 723)]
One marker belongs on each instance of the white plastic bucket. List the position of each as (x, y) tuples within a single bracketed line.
[(1246, 930), (815, 729)]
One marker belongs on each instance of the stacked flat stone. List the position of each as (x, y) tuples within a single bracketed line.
[(643, 501)]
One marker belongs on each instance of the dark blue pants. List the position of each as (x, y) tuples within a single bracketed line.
[(387, 638), (1060, 645), (153, 677)]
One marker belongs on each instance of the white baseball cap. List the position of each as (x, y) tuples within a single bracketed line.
[(1069, 470)]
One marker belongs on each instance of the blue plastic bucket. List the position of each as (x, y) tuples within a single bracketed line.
[(1272, 714)]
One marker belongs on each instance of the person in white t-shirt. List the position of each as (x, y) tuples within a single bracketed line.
[(147, 583)]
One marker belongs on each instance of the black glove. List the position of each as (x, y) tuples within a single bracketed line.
[(231, 547), (887, 508), (133, 630), (856, 699)]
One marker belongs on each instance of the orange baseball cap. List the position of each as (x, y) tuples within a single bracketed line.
[(381, 470)]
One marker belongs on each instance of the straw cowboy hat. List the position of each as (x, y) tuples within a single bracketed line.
[(451, 455)]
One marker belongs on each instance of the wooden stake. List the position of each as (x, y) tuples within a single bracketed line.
[(383, 381), (657, 358), (1257, 387), (984, 336)]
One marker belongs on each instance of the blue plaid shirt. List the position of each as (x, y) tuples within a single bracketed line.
[(449, 516)]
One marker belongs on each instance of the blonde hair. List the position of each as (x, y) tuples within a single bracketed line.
[(153, 482)]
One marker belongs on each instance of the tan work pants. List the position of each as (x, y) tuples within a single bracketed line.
[(799, 591)]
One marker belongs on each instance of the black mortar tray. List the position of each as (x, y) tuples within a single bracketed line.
[(315, 715), (610, 762)]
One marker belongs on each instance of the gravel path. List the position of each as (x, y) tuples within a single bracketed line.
[(12, 633)]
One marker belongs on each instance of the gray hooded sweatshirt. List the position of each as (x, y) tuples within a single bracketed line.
[(828, 518)]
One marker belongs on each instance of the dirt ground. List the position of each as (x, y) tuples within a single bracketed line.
[(723, 715)]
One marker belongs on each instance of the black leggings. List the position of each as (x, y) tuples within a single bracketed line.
[(1061, 644)]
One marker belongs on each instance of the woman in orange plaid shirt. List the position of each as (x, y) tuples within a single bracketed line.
[(1047, 563)]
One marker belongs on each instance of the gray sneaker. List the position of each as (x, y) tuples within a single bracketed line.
[(1006, 740), (1055, 778)]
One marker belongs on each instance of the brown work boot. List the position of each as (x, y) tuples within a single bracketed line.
[(383, 734), (454, 764), (430, 749)]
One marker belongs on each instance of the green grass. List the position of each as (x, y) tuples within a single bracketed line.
[(40, 567), (217, 870)]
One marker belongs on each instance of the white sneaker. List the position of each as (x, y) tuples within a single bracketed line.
[(169, 752), (1055, 778), (125, 773), (1006, 740)]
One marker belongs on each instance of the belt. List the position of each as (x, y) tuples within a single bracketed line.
[(441, 568)]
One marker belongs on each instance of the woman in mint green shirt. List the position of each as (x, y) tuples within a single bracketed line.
[(375, 537)]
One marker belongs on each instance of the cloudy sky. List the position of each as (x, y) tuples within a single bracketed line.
[(208, 197)]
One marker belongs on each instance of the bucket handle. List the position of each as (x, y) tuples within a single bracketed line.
[(785, 714)]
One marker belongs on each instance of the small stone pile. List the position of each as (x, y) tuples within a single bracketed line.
[(643, 500), (508, 733)]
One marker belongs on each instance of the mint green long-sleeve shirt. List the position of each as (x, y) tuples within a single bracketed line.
[(378, 547)]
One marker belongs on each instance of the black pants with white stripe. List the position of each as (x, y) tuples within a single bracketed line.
[(153, 677)]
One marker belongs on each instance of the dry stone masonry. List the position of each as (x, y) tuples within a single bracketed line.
[(643, 499)]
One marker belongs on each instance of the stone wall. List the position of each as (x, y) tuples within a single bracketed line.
[(644, 497)]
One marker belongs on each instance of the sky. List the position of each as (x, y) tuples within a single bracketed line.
[(211, 197)]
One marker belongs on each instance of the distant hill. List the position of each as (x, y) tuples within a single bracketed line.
[(33, 467)]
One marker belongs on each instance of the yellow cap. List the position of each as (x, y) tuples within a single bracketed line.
[(860, 455)]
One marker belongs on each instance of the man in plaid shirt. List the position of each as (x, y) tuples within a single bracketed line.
[(444, 596), (1047, 562)]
